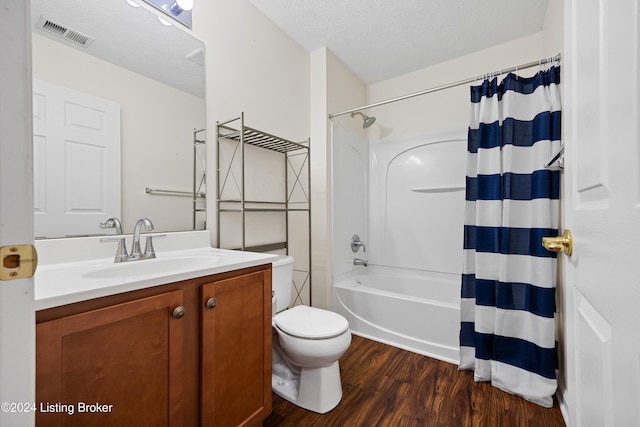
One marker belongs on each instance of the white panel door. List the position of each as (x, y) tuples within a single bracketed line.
[(76, 161), (602, 208), (17, 308)]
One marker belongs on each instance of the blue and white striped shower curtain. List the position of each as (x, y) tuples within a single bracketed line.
[(508, 327)]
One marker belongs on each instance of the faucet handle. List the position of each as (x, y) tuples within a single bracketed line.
[(356, 243), (149, 252), (112, 223), (121, 252)]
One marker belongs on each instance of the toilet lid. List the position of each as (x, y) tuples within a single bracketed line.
[(311, 323)]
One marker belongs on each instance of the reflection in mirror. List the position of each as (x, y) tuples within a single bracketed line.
[(112, 53), (180, 10)]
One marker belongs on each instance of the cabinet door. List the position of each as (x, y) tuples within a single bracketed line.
[(126, 360), (236, 350)]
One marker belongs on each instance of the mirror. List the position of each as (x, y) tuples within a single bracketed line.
[(155, 73)]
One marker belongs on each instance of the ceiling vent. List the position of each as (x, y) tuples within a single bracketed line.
[(62, 31)]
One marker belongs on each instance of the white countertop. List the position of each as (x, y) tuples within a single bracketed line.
[(73, 270)]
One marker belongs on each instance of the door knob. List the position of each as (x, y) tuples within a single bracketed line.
[(560, 243)]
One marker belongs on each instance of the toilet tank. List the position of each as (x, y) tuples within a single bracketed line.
[(282, 282)]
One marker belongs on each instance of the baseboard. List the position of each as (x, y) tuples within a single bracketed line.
[(561, 395)]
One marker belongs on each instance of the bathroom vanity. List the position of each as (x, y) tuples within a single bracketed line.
[(188, 348)]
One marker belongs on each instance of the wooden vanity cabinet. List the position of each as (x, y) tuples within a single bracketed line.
[(209, 367), (125, 359), (236, 351)]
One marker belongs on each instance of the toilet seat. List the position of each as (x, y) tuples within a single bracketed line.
[(311, 323)]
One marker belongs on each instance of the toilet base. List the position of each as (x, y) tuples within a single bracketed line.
[(316, 389)]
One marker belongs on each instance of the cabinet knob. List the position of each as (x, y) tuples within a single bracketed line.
[(179, 312), (211, 303)]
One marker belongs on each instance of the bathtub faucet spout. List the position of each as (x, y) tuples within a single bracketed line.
[(358, 261)]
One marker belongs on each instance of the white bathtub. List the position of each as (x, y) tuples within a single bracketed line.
[(420, 313)]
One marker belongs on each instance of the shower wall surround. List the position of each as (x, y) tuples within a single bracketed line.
[(404, 196), (350, 155), (417, 201)]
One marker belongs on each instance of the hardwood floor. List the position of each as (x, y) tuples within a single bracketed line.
[(387, 387)]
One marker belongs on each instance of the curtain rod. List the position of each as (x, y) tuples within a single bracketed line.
[(540, 62)]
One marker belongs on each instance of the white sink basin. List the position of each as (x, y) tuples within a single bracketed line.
[(80, 269), (153, 267)]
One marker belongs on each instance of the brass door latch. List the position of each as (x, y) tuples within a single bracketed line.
[(560, 243), (18, 262)]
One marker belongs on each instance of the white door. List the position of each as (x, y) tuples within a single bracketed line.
[(602, 208), (17, 309), (76, 140)]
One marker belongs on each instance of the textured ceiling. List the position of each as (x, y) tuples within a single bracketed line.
[(380, 39), (132, 38)]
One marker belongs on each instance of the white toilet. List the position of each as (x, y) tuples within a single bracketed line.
[(307, 343)]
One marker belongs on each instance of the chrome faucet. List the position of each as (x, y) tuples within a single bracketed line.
[(121, 252), (358, 261), (136, 253), (112, 223), (135, 244)]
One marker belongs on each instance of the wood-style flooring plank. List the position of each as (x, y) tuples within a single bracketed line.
[(384, 386)]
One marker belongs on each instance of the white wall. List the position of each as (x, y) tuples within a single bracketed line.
[(552, 32), (333, 87), (254, 67), (448, 108), (320, 175), (157, 123)]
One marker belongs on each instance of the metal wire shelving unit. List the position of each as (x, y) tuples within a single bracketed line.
[(198, 193), (297, 175)]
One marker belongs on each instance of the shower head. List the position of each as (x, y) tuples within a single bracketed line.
[(368, 121)]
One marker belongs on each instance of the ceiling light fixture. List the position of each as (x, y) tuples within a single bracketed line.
[(164, 22), (180, 6), (180, 10)]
